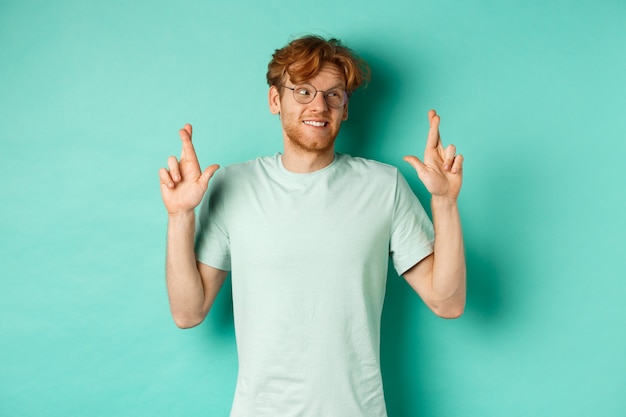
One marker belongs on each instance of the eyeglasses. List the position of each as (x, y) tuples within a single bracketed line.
[(305, 93)]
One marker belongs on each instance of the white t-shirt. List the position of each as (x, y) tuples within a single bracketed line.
[(308, 255)]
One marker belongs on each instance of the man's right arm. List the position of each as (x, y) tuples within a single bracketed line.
[(191, 286)]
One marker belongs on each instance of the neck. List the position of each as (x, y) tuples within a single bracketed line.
[(304, 162)]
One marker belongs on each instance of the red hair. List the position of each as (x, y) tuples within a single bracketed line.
[(303, 58)]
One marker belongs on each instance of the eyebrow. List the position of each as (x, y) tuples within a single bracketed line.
[(339, 85)]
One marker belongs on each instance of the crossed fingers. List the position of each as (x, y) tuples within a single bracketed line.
[(451, 161), (173, 175)]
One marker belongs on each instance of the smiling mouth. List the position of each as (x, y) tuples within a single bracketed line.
[(315, 123)]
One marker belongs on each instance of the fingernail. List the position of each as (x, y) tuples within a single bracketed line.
[(176, 177), (169, 184)]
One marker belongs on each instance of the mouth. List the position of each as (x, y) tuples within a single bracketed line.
[(315, 123)]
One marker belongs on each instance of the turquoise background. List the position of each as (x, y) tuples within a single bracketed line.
[(92, 95)]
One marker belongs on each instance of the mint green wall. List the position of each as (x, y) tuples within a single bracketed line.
[(92, 95)]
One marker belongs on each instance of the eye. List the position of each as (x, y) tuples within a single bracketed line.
[(303, 91), (335, 97)]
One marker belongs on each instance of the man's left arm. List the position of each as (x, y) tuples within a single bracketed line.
[(440, 278)]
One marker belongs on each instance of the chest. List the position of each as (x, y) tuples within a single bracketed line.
[(323, 221)]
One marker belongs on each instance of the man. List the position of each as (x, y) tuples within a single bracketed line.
[(307, 234)]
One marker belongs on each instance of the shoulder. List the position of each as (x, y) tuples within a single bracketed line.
[(371, 168), (240, 178), (255, 164), (251, 169)]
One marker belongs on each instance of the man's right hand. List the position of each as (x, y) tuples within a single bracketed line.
[(183, 185)]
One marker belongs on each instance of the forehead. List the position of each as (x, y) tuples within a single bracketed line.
[(328, 76)]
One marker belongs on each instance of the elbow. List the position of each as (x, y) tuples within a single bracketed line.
[(187, 321), (452, 310), (186, 316), (450, 313)]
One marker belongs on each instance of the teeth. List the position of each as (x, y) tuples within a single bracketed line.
[(317, 124)]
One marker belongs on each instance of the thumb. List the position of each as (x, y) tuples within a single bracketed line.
[(207, 174), (415, 162)]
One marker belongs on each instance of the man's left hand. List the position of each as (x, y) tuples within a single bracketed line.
[(442, 169)]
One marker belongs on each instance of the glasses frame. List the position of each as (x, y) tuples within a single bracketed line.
[(346, 95)]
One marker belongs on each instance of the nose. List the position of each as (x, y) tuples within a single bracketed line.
[(319, 102)]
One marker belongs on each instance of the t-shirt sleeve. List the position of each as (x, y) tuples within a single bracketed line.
[(212, 244), (412, 234)]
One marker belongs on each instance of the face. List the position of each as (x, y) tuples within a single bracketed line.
[(310, 127)]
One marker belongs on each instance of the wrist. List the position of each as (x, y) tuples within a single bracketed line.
[(184, 215), (443, 201), (442, 206)]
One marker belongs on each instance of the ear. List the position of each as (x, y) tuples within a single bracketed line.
[(273, 98), (345, 112)]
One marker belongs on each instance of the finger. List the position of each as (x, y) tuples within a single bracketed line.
[(165, 178), (433, 133), (207, 174), (448, 157), (457, 166), (415, 162), (188, 152), (172, 164)]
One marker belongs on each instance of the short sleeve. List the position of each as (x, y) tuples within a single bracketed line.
[(412, 234), (212, 244)]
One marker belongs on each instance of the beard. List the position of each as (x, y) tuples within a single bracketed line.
[(309, 142)]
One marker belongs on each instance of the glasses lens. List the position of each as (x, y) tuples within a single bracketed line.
[(304, 93), (335, 97)]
